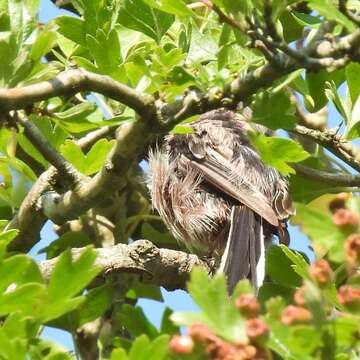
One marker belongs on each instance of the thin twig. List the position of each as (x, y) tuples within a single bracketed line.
[(225, 18), (343, 8), (331, 142), (347, 180), (92, 137), (47, 151)]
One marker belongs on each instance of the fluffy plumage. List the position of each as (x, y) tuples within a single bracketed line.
[(216, 195)]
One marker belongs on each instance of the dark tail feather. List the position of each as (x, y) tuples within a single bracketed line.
[(245, 251)]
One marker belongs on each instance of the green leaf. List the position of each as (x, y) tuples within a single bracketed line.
[(324, 233), (32, 6), (78, 111), (95, 158), (290, 342), (15, 325), (316, 82), (43, 44), (47, 350), (52, 132), (137, 15), (352, 72), (278, 152), (69, 277), (91, 162), (141, 290), (5, 239), (343, 106), (86, 116), (242, 287), (72, 28), (135, 321), (288, 26), (304, 190), (182, 129), (280, 268), (119, 354), (73, 153), (53, 309), (143, 349), (12, 269), (176, 7), (328, 9), (353, 129), (71, 239), (345, 327), (315, 303), (164, 61), (97, 301), (217, 311), (105, 50), (299, 264), (163, 239), (140, 348), (302, 86), (10, 349), (306, 19), (23, 169), (274, 110), (159, 348), (270, 290), (167, 326), (23, 298), (67, 46)]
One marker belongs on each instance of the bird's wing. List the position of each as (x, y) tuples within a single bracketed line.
[(219, 178)]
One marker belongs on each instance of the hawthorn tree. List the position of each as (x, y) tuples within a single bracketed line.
[(81, 99)]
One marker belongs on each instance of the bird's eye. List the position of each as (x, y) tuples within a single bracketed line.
[(203, 133)]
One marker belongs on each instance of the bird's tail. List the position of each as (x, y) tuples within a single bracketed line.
[(244, 255)]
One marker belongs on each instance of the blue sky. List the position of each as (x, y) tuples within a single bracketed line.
[(177, 300)]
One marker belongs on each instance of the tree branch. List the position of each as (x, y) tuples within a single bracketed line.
[(93, 136), (343, 8), (164, 267), (132, 138), (49, 153), (347, 180), (332, 142), (71, 82), (30, 217)]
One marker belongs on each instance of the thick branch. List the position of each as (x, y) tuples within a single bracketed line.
[(30, 217), (71, 82), (132, 138), (167, 268)]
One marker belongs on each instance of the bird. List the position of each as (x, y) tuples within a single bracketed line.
[(217, 196)]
